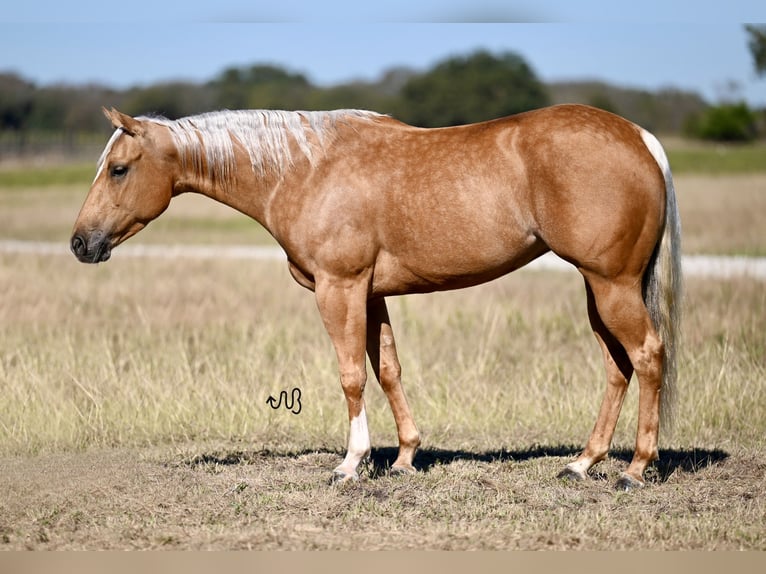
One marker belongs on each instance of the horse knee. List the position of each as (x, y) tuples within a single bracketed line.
[(353, 382)]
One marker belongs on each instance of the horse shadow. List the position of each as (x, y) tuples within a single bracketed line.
[(690, 460)]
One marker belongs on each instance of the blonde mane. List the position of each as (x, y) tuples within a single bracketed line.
[(208, 139), (265, 134)]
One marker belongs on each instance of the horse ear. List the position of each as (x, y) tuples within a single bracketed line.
[(129, 125)]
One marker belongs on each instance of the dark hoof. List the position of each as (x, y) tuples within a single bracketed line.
[(340, 477), (402, 471), (569, 474), (626, 483)]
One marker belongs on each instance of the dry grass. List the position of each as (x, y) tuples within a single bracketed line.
[(723, 214), (134, 416), (176, 356)]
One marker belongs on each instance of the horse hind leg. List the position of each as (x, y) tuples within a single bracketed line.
[(381, 349), (618, 372), (620, 307)]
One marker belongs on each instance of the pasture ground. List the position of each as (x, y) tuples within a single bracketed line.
[(133, 410), (134, 416), (226, 496)]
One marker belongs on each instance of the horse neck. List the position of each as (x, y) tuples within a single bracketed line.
[(275, 157), (247, 190)]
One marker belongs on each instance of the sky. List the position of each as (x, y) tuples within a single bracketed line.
[(696, 45)]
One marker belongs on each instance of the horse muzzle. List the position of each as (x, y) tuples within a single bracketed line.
[(93, 249)]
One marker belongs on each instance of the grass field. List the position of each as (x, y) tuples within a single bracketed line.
[(715, 159), (134, 415)]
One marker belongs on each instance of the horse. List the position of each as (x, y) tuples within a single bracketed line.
[(367, 207)]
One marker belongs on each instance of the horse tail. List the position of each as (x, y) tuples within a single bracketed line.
[(663, 285)]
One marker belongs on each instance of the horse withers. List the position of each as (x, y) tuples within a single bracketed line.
[(367, 207)]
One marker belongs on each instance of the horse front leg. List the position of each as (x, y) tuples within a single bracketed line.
[(342, 304)]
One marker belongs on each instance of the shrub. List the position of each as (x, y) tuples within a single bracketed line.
[(726, 123)]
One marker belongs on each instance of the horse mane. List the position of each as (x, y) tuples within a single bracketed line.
[(265, 134)]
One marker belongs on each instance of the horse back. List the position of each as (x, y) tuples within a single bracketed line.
[(433, 209)]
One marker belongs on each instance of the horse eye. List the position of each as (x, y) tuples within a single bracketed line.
[(118, 171)]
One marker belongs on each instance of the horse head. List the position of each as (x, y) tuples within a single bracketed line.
[(133, 185)]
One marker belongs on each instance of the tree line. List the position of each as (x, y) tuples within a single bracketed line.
[(460, 89)]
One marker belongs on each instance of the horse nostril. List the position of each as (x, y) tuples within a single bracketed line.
[(78, 246)]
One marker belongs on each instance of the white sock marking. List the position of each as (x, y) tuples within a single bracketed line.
[(358, 442)]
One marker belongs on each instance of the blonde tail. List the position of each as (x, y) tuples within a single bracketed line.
[(663, 285)]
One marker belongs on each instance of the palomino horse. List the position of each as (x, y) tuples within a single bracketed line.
[(366, 207)]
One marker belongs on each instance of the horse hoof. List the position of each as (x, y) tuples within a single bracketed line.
[(626, 483), (570, 474), (341, 477), (402, 470)]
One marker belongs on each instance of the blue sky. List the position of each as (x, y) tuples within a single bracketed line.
[(696, 45)]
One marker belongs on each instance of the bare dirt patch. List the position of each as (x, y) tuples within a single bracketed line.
[(226, 497)]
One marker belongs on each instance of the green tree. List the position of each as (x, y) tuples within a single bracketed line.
[(353, 96), (726, 123), (16, 102), (260, 86), (603, 101), (171, 99), (471, 88), (757, 44)]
